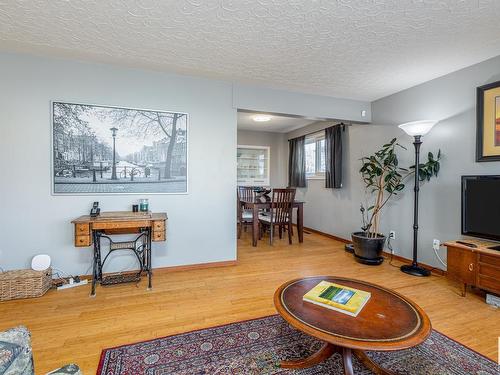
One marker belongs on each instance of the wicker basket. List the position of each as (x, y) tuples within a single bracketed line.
[(24, 284)]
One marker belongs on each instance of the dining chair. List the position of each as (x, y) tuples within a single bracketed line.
[(285, 228), (245, 217), (280, 213)]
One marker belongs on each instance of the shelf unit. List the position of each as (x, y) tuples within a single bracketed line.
[(253, 165)]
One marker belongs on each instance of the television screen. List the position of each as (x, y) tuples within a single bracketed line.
[(481, 206)]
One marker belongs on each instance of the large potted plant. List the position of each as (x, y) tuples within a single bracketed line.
[(384, 179)]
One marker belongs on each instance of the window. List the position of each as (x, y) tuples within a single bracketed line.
[(315, 155)]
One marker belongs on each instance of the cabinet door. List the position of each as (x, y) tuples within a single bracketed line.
[(253, 165), (462, 265)]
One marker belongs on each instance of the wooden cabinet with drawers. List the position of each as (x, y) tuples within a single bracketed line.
[(119, 223), (475, 266)]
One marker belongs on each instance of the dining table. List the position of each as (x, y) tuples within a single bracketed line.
[(258, 204)]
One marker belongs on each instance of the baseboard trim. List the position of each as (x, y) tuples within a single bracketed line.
[(435, 270), (183, 267), (198, 266), (336, 238)]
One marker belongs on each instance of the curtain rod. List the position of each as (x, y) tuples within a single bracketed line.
[(317, 131)]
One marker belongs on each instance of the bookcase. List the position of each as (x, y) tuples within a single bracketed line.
[(253, 165)]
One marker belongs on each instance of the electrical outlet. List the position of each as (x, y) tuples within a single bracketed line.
[(392, 235), (436, 244)]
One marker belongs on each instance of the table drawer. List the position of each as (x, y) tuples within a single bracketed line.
[(159, 235), (83, 241), (81, 229), (158, 226), (490, 259), (489, 270), (103, 225), (488, 283)]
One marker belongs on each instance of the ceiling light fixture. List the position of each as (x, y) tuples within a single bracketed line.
[(262, 118)]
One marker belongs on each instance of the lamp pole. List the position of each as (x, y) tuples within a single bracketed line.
[(416, 129), (414, 269), (113, 169)]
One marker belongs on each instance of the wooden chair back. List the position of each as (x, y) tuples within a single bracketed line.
[(246, 193), (282, 204)]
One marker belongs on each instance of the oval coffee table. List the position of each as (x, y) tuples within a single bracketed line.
[(388, 321)]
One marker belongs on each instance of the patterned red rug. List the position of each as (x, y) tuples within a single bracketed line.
[(256, 346)]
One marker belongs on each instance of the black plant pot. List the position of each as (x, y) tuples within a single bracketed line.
[(368, 250)]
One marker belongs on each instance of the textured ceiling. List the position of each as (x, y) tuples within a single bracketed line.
[(277, 124), (362, 49)]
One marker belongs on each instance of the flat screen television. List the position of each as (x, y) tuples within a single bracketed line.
[(481, 206)]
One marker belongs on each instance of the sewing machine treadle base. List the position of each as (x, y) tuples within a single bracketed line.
[(91, 230)]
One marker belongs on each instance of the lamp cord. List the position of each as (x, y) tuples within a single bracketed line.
[(391, 258), (389, 246)]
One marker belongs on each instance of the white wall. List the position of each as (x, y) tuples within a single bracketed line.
[(201, 226), (278, 151), (450, 99)]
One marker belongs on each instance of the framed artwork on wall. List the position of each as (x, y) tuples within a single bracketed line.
[(100, 149), (488, 122)]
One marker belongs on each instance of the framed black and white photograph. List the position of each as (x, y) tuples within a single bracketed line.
[(112, 150)]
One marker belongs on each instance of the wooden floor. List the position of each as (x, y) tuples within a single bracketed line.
[(69, 327)]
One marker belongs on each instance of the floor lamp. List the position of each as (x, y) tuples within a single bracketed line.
[(416, 129)]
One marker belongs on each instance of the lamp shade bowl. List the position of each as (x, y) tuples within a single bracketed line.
[(417, 128)]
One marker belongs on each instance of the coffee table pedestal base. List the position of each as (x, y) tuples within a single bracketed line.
[(327, 350)]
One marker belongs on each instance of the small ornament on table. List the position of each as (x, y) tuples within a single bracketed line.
[(144, 205)]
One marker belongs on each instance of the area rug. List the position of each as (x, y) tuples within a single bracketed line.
[(257, 346)]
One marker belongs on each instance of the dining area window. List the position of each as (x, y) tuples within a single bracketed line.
[(315, 155)]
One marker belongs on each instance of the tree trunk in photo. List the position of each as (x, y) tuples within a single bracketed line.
[(92, 153), (84, 150), (171, 145)]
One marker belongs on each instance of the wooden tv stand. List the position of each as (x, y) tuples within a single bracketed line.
[(475, 266)]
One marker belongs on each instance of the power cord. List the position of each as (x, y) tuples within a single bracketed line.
[(389, 246), (440, 261), (58, 271), (439, 258), (63, 277)]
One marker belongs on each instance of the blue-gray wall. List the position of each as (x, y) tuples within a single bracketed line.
[(201, 226), (451, 99)]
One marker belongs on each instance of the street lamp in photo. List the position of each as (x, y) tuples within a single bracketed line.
[(113, 170)]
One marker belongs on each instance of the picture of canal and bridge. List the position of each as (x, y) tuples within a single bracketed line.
[(103, 150)]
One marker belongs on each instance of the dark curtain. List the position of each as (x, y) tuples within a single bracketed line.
[(297, 162), (333, 157)]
